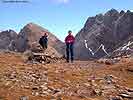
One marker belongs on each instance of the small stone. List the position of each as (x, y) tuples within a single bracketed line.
[(130, 90), (115, 98), (43, 62), (108, 79), (24, 98), (59, 98), (44, 93), (35, 93), (56, 91), (35, 88), (49, 91), (98, 92), (8, 83), (45, 88), (130, 96), (27, 87)]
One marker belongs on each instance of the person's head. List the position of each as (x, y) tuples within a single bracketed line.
[(45, 34), (69, 32)]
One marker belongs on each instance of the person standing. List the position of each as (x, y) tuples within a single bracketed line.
[(44, 41), (69, 40)]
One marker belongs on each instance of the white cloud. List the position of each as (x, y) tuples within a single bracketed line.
[(131, 10), (61, 1)]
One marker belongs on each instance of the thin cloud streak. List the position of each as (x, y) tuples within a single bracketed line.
[(62, 1)]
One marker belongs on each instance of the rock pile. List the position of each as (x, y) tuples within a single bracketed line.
[(45, 59), (126, 50), (108, 61), (115, 57), (41, 56)]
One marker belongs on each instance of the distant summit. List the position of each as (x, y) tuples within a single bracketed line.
[(112, 30), (28, 38)]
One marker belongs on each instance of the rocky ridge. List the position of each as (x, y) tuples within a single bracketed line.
[(112, 30)]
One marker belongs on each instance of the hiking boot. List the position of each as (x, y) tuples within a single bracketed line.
[(67, 61), (71, 61)]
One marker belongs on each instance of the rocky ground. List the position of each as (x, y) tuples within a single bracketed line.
[(81, 80)]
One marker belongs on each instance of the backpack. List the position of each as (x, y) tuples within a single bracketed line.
[(41, 41)]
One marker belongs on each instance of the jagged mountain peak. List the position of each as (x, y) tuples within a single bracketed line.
[(35, 27), (110, 30), (112, 11)]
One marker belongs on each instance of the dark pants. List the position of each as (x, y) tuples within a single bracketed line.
[(69, 50), (45, 46)]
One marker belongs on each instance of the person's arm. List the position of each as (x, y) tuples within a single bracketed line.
[(73, 39), (47, 39), (66, 40)]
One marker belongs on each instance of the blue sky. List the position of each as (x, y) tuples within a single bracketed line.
[(58, 16)]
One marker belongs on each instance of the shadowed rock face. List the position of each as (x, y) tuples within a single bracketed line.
[(7, 39), (111, 29)]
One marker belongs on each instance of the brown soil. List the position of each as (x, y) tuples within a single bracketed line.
[(61, 75)]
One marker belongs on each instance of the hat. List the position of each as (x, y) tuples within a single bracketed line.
[(69, 31)]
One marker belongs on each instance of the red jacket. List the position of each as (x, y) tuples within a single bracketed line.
[(69, 39)]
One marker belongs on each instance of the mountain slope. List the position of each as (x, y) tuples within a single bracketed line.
[(28, 39), (30, 35), (111, 30)]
